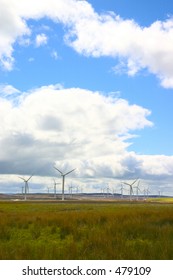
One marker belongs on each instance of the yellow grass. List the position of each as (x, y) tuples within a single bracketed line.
[(37, 230)]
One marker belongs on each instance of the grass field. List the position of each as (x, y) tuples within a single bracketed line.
[(161, 199), (79, 231)]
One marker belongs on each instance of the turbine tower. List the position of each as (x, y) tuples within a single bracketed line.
[(131, 187), (26, 184), (63, 178)]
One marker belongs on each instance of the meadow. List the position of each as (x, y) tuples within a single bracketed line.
[(86, 231)]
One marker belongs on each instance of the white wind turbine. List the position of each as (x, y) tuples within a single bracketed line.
[(70, 190), (131, 187), (22, 189), (63, 178), (137, 190), (147, 192), (122, 191), (108, 190), (26, 184), (55, 184)]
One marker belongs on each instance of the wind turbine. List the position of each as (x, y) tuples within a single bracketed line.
[(26, 184), (160, 192), (146, 192), (63, 178), (102, 191), (122, 189), (71, 187), (77, 189), (137, 190), (131, 187), (70, 190), (55, 184), (22, 189), (108, 190)]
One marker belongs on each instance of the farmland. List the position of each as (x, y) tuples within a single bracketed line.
[(86, 230)]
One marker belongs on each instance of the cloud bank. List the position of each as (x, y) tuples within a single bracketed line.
[(92, 34), (75, 128)]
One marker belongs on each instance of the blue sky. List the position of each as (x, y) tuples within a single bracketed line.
[(86, 85)]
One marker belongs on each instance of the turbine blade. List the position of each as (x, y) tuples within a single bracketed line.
[(134, 182), (29, 178), (22, 178), (126, 183), (58, 170), (69, 172)]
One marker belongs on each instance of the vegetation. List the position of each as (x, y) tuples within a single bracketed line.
[(161, 199), (101, 231)]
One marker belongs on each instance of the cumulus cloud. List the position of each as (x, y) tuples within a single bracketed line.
[(92, 34), (136, 47), (7, 90), (12, 27), (76, 126), (41, 39)]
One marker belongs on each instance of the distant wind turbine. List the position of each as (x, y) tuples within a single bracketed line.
[(108, 190), (63, 178), (160, 193), (70, 190), (22, 190), (26, 184), (55, 184), (77, 189), (122, 189), (131, 187), (146, 192), (137, 190)]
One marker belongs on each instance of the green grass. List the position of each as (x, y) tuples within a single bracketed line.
[(100, 231), (161, 199)]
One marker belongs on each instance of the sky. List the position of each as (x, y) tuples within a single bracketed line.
[(86, 85)]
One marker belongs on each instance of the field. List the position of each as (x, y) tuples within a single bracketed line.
[(85, 231)]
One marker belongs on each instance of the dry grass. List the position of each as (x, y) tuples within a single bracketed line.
[(30, 230)]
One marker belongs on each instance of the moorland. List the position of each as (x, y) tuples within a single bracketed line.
[(89, 230)]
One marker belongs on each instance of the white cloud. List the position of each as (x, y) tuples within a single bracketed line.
[(92, 34), (8, 90), (52, 124), (76, 128), (158, 165), (12, 27), (138, 47), (41, 39), (54, 55)]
